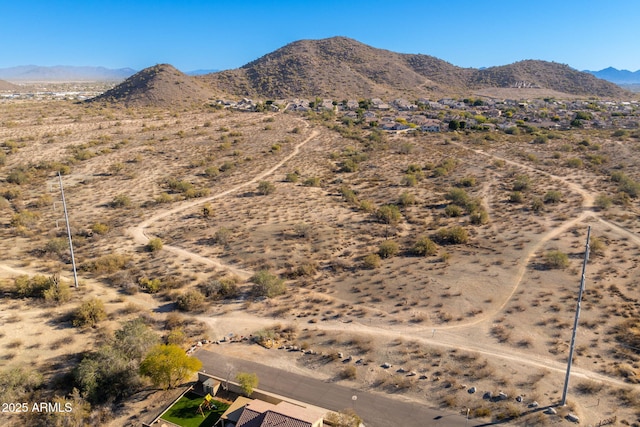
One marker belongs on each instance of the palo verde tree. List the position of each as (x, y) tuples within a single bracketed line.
[(167, 365)]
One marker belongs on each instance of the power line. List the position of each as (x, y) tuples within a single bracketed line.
[(66, 218)]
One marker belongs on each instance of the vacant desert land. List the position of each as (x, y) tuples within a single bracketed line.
[(455, 257)]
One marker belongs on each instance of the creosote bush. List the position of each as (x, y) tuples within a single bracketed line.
[(371, 261), (556, 260), (267, 284), (454, 235), (388, 249), (424, 246), (89, 314), (192, 300), (154, 245), (388, 214)]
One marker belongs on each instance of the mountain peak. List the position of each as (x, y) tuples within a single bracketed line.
[(158, 85)]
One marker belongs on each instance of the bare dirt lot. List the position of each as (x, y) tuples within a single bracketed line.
[(454, 258)]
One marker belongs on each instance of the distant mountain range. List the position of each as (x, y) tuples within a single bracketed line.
[(60, 73), (617, 76)]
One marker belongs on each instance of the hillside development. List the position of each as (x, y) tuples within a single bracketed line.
[(424, 248)]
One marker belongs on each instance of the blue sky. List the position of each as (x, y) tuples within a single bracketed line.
[(221, 34)]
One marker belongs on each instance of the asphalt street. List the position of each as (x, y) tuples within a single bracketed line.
[(376, 410)]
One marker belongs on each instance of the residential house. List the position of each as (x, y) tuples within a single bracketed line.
[(246, 412)]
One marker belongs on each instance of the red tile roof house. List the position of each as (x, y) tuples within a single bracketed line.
[(258, 413)]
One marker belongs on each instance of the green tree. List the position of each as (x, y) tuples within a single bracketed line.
[(167, 365), (248, 382), (107, 375)]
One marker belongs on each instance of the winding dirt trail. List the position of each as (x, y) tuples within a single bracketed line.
[(140, 236)]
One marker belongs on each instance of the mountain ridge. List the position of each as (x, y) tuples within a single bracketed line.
[(343, 67)]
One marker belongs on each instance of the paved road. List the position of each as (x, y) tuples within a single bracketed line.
[(375, 409)]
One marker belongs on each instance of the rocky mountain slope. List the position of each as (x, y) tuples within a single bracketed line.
[(160, 85), (340, 67)]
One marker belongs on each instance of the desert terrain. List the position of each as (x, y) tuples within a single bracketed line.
[(418, 265)]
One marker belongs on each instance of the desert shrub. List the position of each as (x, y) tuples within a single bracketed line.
[(556, 259), (467, 181), (479, 217), (267, 284), (58, 293), (457, 196), (154, 245), (222, 236), (552, 196), (163, 197), (312, 182), (367, 206), (192, 300), (453, 235), (18, 176), (25, 218), (349, 373), (589, 387), (388, 214), (522, 183), (57, 246), (453, 211), (176, 336), (348, 194), (179, 186), (388, 249), (51, 288), (597, 246), (107, 264), (409, 180), (100, 228), (211, 171), (89, 313), (345, 418), (424, 246), (11, 193), (541, 139), (371, 261), (150, 285), (574, 162), (407, 199), (265, 188), (121, 201), (537, 205), (292, 177), (221, 289), (43, 200), (516, 197), (17, 383)]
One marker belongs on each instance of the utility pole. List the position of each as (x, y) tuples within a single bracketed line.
[(575, 322), (66, 218)]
